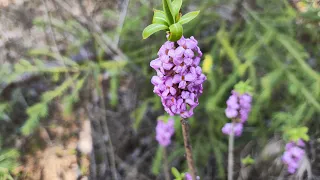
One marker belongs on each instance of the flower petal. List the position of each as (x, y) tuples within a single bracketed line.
[(190, 77)]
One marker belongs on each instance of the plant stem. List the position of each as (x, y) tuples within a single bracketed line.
[(166, 164), (230, 154), (187, 147)]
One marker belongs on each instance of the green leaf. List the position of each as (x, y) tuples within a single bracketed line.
[(175, 172), (243, 87), (176, 5), (223, 38), (114, 84), (69, 100), (156, 164), (176, 31), (188, 17), (297, 55), (247, 160), (34, 112), (159, 17), (304, 91), (113, 66), (294, 134), (167, 7), (153, 28), (138, 115), (40, 52)]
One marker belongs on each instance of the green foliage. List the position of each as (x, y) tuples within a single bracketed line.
[(177, 174), (4, 109), (138, 114), (176, 31), (247, 160), (156, 164), (114, 67), (40, 110), (72, 98), (159, 17), (274, 49), (168, 10), (153, 28), (243, 87), (8, 162), (64, 71), (223, 38), (170, 20), (294, 134), (35, 113), (8, 159), (176, 6), (114, 85), (188, 17), (5, 174)]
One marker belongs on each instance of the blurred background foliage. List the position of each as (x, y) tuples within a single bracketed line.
[(274, 45)]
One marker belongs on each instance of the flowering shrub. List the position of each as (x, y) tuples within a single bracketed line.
[(179, 77)]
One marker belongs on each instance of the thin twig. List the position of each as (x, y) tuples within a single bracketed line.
[(111, 149), (94, 28), (121, 21), (166, 164), (107, 132), (230, 154), (52, 32), (101, 38), (91, 28), (53, 35), (188, 148)]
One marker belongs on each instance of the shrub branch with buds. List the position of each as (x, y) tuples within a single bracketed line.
[(238, 109), (179, 77)]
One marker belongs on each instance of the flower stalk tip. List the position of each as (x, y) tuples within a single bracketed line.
[(169, 19)]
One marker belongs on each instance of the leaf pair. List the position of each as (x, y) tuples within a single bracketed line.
[(294, 134), (170, 20), (177, 174), (243, 87)]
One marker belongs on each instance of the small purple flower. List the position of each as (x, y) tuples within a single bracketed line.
[(293, 154), (231, 113), (301, 143), (238, 109), (178, 71), (237, 128), (238, 106), (188, 176), (164, 131)]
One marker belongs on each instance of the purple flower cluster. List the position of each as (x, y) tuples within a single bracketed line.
[(237, 129), (238, 106), (189, 177), (179, 77), (238, 109), (293, 154), (164, 131)]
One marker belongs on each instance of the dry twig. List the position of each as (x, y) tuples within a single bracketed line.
[(188, 148)]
